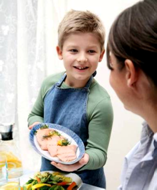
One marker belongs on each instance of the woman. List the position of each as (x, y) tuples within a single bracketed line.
[(132, 59)]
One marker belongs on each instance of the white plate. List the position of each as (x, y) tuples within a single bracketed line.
[(74, 177), (73, 138)]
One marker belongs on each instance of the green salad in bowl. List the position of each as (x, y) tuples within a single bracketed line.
[(50, 181)]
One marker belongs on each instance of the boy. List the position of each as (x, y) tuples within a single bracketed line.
[(74, 99)]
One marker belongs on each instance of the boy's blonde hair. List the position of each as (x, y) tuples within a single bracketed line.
[(80, 21)]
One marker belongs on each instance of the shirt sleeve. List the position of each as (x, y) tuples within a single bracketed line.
[(119, 188), (153, 183), (99, 129), (36, 114)]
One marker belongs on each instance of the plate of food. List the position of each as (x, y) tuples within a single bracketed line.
[(49, 180), (57, 143)]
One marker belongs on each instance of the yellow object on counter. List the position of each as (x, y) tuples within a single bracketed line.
[(28, 186), (40, 185), (14, 165), (11, 186), (12, 160)]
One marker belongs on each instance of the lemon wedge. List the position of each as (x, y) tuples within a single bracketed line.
[(14, 164), (2, 165), (12, 160), (11, 186)]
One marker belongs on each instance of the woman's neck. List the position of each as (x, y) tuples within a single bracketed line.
[(150, 116)]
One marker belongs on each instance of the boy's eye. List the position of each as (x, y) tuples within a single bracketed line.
[(73, 50), (91, 51)]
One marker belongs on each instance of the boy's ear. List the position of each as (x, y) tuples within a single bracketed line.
[(59, 52), (101, 55), (131, 73)]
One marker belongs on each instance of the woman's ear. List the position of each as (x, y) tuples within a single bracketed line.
[(59, 52), (101, 55), (131, 73)]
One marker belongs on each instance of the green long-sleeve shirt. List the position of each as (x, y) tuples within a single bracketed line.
[(99, 115)]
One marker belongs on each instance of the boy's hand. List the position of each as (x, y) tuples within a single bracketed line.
[(70, 168), (31, 126)]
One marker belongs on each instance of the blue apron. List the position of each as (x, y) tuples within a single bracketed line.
[(68, 107)]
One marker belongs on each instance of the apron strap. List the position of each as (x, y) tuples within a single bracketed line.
[(59, 83)]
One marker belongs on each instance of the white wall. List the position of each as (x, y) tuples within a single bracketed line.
[(126, 127)]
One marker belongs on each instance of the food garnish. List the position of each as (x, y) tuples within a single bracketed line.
[(51, 134)]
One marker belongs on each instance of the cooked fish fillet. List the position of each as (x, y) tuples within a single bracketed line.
[(64, 153), (52, 149), (67, 153), (40, 133), (52, 145), (42, 141)]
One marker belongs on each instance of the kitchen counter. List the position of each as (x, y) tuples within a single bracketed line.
[(90, 187)]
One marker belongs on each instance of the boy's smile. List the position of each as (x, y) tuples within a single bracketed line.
[(81, 53)]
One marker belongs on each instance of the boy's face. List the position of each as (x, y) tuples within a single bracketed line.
[(81, 53)]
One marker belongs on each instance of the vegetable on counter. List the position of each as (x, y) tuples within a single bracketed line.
[(49, 181), (71, 186)]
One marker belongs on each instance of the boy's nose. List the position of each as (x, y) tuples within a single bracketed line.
[(82, 58)]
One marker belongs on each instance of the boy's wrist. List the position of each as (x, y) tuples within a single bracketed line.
[(84, 160)]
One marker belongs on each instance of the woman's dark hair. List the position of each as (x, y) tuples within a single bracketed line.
[(133, 36)]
